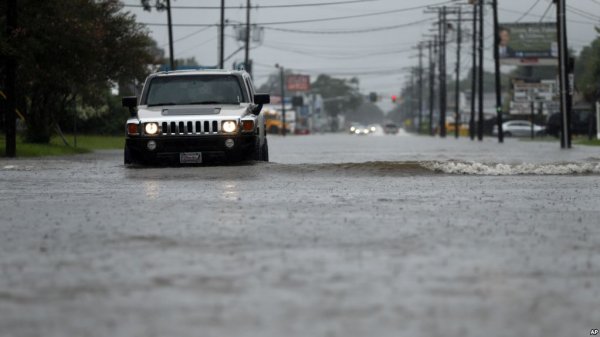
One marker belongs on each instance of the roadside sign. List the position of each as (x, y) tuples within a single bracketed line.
[(298, 83)]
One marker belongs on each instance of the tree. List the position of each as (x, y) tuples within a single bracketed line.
[(343, 94), (72, 50), (587, 71)]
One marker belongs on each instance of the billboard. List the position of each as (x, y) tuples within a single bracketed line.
[(298, 83), (528, 43)]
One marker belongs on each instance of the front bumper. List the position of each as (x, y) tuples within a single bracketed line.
[(212, 147)]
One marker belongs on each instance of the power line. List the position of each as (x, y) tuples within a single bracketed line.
[(352, 31), (314, 4), (528, 11), (539, 16), (313, 20), (189, 35)]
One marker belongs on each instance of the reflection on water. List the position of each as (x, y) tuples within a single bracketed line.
[(230, 191), (152, 189)]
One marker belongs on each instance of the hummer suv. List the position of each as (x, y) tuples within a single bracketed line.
[(190, 117)]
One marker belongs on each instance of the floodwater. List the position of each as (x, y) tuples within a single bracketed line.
[(338, 236)]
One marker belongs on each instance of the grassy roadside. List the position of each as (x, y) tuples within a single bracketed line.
[(578, 140), (585, 141), (85, 144)]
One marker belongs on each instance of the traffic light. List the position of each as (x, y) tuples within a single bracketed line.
[(394, 98)]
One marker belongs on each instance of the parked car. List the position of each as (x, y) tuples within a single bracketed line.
[(390, 129), (189, 117), (581, 122), (360, 130), (519, 128)]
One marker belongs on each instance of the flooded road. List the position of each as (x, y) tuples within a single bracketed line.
[(338, 236)]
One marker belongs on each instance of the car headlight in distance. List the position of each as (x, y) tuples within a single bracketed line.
[(352, 129), (229, 126), (151, 128), (373, 129)]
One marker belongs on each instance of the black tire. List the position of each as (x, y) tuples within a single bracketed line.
[(127, 160), (265, 151)]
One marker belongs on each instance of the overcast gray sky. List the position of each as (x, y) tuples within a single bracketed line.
[(377, 57)]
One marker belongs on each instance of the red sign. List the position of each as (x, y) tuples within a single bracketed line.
[(298, 83)]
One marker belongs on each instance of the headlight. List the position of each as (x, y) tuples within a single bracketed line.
[(151, 128), (229, 126), (373, 129), (352, 129)]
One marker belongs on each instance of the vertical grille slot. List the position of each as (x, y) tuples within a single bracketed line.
[(165, 129), (198, 129), (173, 128), (181, 128), (215, 126), (206, 127)]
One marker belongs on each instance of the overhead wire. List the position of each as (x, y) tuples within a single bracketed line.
[(262, 6), (336, 18)]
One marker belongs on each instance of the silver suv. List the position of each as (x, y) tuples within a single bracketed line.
[(191, 117)]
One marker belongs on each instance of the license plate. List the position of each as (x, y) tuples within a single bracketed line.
[(190, 158)]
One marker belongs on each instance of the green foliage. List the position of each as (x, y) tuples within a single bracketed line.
[(345, 90), (587, 71), (71, 50), (56, 146)]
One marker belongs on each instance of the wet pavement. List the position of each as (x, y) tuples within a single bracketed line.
[(339, 236)]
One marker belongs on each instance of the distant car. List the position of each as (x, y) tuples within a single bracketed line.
[(390, 129), (519, 128), (372, 127), (359, 130), (353, 128)]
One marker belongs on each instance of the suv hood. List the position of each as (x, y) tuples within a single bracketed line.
[(173, 111)]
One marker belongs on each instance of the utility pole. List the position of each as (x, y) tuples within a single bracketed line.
[(282, 79), (11, 75), (481, 73), (563, 61), (457, 89), (247, 46), (431, 85), (499, 116), (473, 74), (222, 37), (442, 66), (170, 24), (420, 79)]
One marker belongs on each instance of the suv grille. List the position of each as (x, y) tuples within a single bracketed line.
[(189, 128)]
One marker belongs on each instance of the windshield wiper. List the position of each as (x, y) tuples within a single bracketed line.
[(165, 103)]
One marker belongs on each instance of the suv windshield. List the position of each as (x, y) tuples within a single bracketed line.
[(190, 89)]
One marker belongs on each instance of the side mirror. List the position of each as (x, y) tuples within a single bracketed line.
[(261, 99), (131, 103)]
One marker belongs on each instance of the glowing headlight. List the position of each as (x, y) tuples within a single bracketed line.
[(151, 128), (229, 126), (352, 129), (357, 131), (373, 129)]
